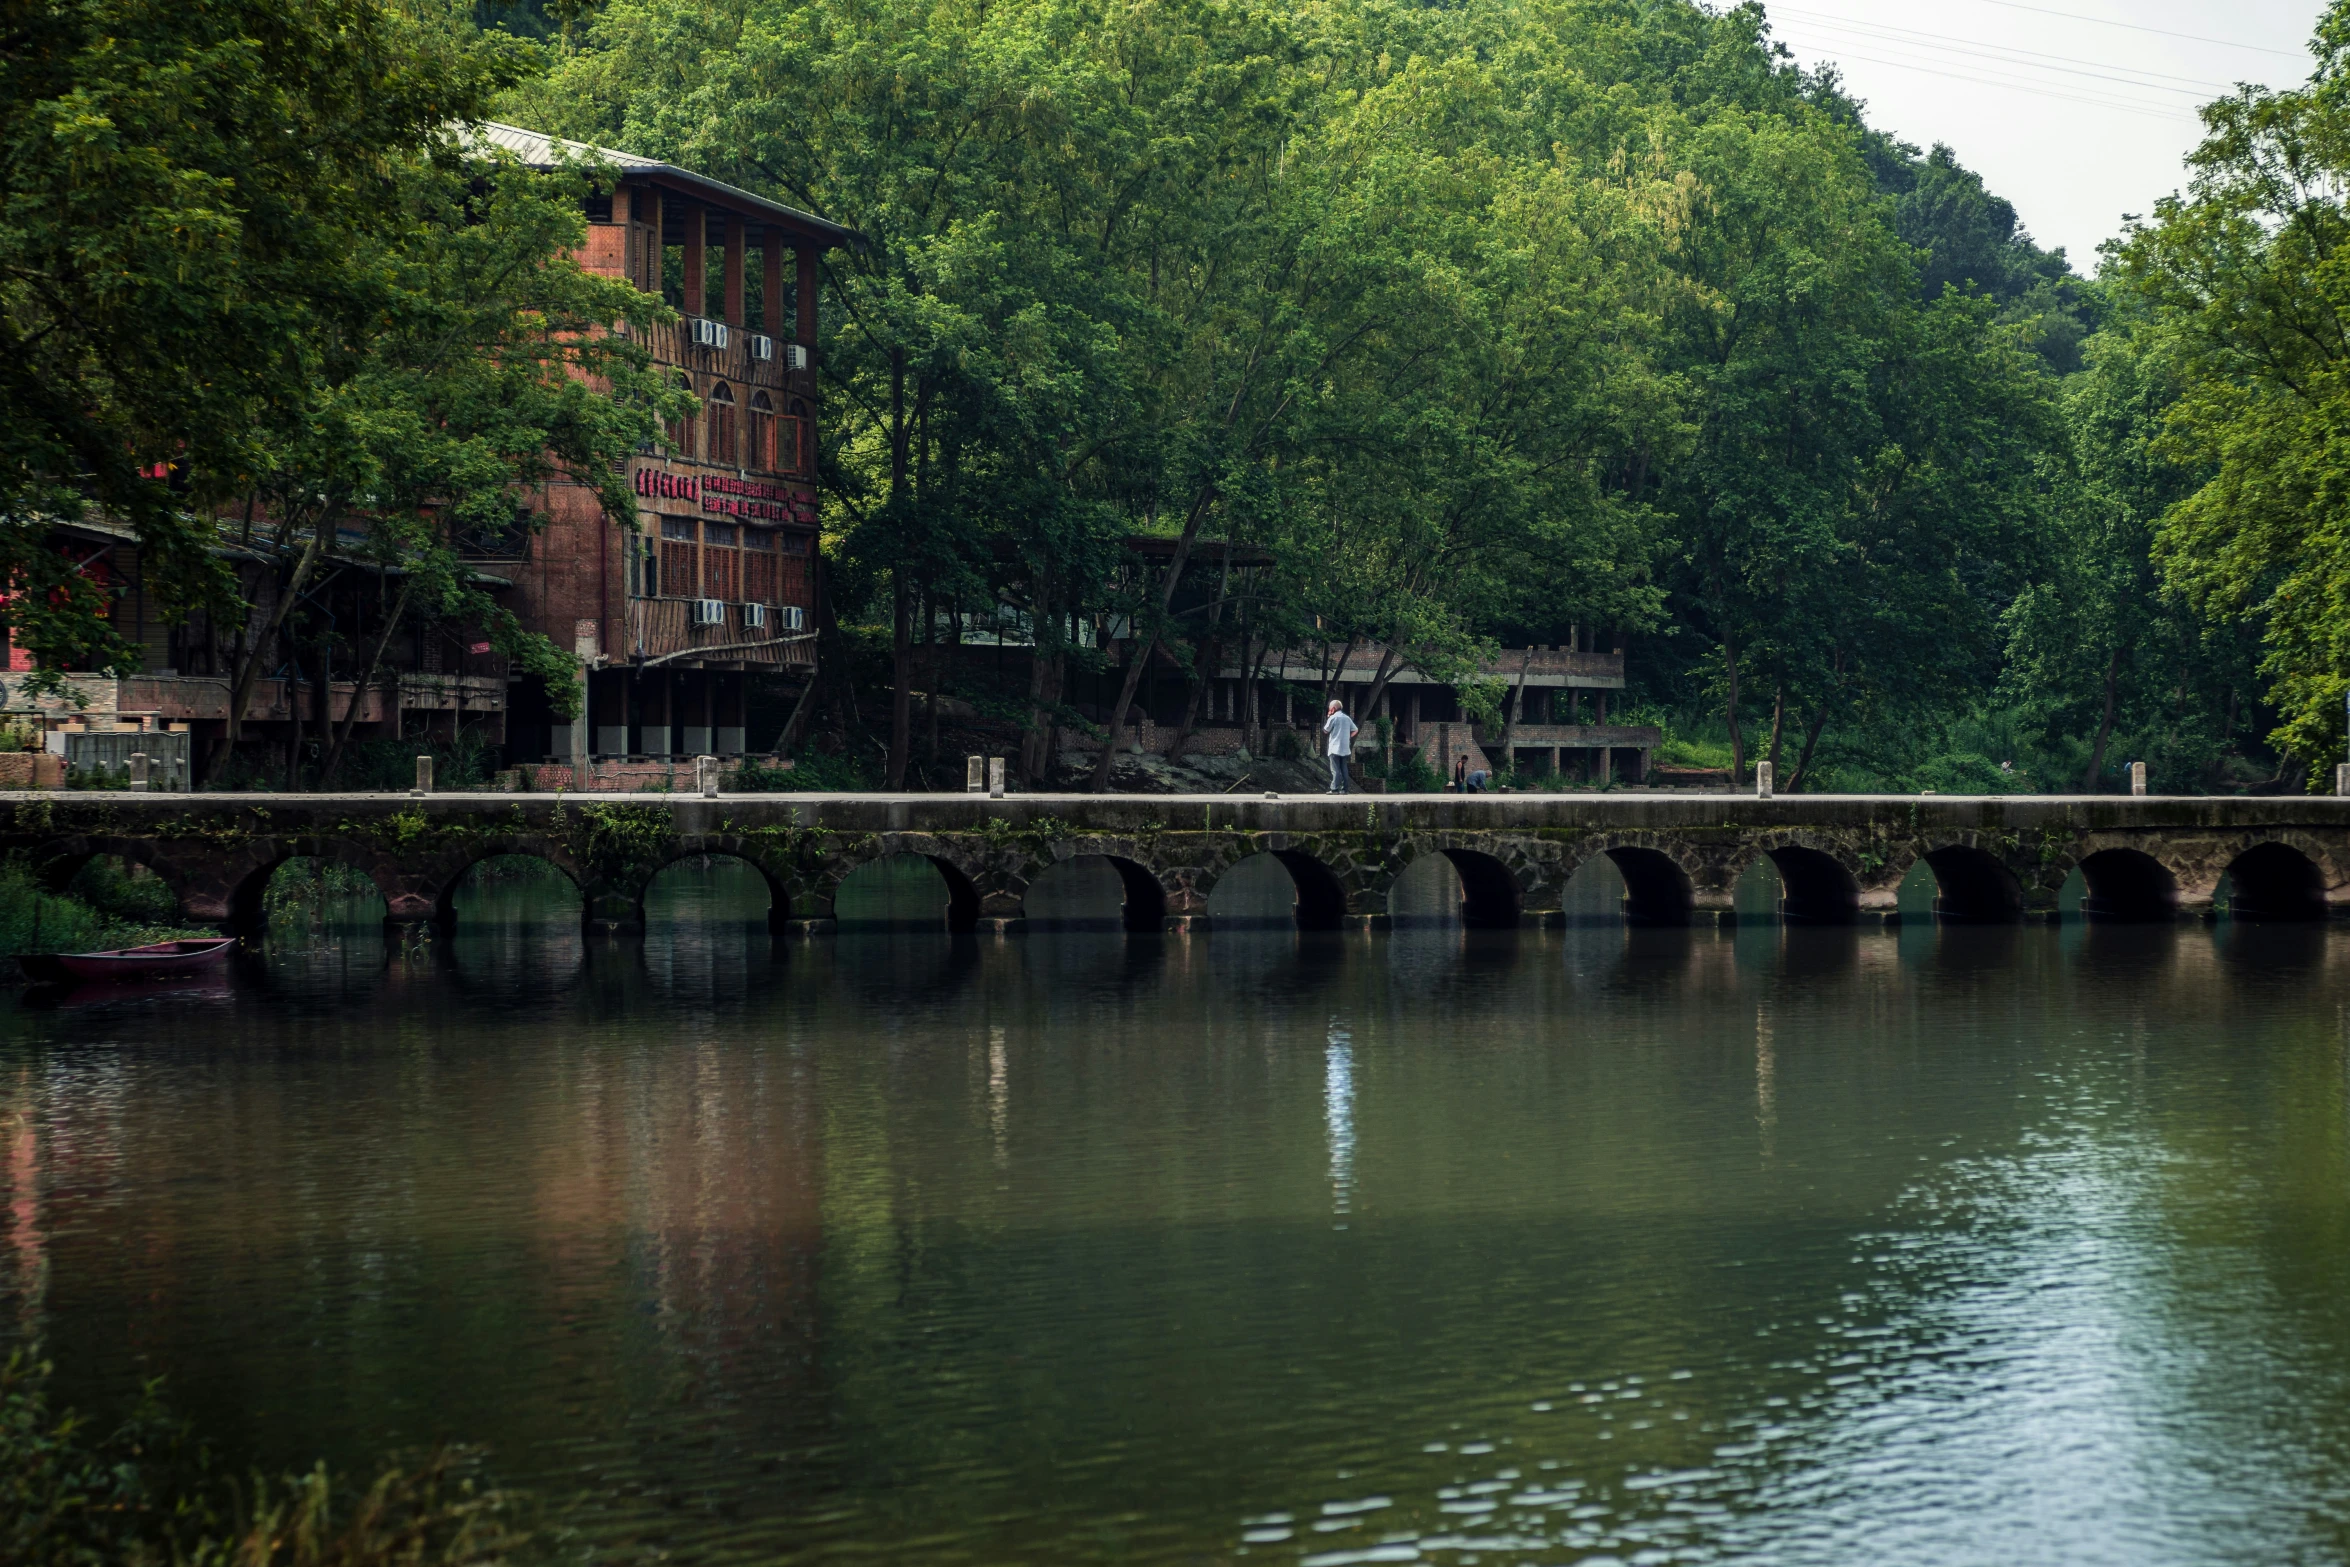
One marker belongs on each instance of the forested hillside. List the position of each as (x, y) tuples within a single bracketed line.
[(1489, 321), (1488, 324)]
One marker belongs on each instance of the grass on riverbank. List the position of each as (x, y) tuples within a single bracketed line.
[(146, 1494), (107, 905)]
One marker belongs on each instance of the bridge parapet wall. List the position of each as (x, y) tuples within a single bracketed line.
[(1838, 857)]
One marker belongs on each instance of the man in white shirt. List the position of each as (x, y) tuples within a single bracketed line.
[(1338, 739)]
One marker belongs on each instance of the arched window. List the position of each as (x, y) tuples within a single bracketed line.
[(681, 429), (800, 431), (760, 451), (720, 413)]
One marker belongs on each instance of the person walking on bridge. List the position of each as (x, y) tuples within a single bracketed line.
[(1338, 739)]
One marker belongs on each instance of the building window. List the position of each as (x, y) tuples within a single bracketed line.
[(759, 575), (760, 453), (679, 579), (719, 414), (800, 432), (721, 562), (681, 429)]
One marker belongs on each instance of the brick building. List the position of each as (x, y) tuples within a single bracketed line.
[(714, 586)]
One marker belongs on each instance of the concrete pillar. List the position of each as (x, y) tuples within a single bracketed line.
[(2342, 778), (423, 776), (579, 735), (1762, 781), (975, 775), (706, 777), (2137, 778), (995, 777), (732, 718), (733, 277), (139, 771)]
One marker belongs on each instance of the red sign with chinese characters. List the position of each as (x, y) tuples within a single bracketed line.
[(727, 496)]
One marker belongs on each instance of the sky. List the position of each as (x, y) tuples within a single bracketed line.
[(2077, 111)]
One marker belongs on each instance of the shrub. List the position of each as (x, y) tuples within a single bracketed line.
[(146, 1493), (811, 773), (34, 919)]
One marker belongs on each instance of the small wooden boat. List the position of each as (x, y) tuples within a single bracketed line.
[(158, 961)]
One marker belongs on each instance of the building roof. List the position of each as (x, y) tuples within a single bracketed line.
[(541, 151)]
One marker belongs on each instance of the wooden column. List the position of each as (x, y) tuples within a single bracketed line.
[(771, 277), (807, 326), (697, 228), (736, 240)]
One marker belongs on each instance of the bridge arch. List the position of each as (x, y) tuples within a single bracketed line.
[(1660, 874), (1317, 897), (1818, 885), (2278, 881), (1972, 886), (1091, 890), (2127, 886), (866, 880), (1488, 894), (447, 883), (779, 900)]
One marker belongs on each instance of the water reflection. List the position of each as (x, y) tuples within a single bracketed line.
[(1948, 1244)]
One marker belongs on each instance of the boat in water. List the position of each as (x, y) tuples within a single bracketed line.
[(160, 960)]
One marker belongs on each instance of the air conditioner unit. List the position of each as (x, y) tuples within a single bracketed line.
[(796, 356), (709, 612), (709, 334), (754, 616), (794, 617), (762, 346)]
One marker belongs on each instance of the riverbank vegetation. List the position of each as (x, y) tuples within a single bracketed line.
[(110, 903), (145, 1493), (1510, 322)]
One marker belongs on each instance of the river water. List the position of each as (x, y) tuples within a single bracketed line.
[(1928, 1246)]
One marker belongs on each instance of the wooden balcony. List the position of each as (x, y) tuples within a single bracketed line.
[(665, 629)]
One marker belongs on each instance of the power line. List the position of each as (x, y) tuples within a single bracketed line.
[(2153, 81), (2036, 89), (2135, 27)]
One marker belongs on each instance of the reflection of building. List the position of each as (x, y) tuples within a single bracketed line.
[(714, 583)]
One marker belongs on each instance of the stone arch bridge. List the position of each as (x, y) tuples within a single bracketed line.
[(1840, 858)]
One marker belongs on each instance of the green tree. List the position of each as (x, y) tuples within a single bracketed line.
[(182, 192), (2247, 285)]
